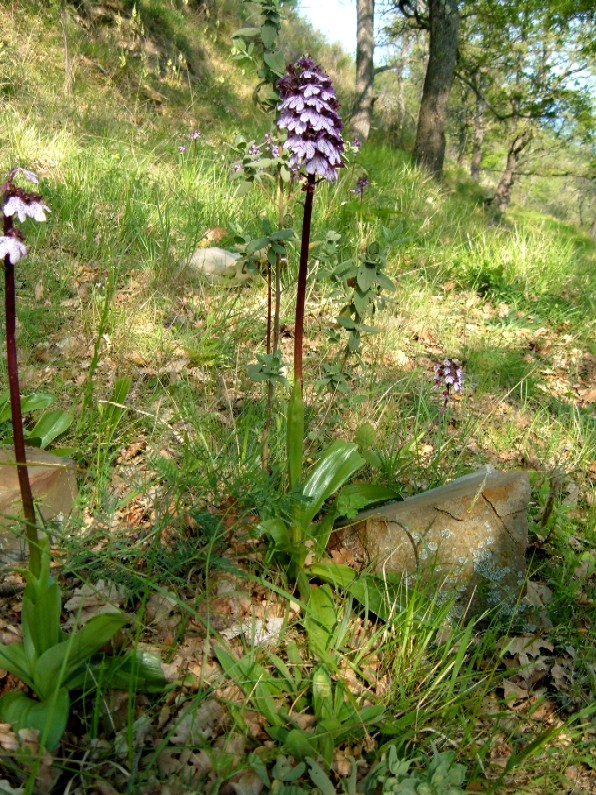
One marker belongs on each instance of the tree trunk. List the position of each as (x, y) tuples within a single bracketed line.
[(477, 140), (429, 149), (502, 196), (365, 70)]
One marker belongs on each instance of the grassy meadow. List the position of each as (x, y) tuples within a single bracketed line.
[(168, 430)]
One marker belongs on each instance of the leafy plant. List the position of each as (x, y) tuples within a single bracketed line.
[(52, 423), (367, 280), (53, 664), (440, 776)]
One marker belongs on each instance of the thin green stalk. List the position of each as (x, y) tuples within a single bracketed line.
[(15, 406)]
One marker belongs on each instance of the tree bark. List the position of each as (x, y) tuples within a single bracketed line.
[(477, 139), (429, 149), (502, 196), (365, 70)]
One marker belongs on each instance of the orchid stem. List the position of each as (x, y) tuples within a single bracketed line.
[(302, 276), (16, 415)]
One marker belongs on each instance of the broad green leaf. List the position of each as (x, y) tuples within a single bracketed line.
[(49, 717), (243, 188), (299, 745), (355, 497), (375, 594), (322, 693), (29, 403), (319, 778), (49, 426), (57, 665), (268, 34), (41, 620), (295, 435), (246, 33), (385, 282), (338, 463), (320, 619), (136, 671), (14, 660), (366, 277), (275, 61), (278, 531)]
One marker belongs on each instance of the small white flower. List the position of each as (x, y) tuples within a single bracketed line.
[(12, 247), (35, 210), (28, 174)]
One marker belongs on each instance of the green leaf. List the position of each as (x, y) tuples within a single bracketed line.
[(385, 282), (41, 620), (57, 665), (244, 188), (322, 693), (268, 34), (49, 426), (295, 435), (338, 463), (319, 778), (278, 531), (246, 33), (15, 661), (275, 61), (253, 680), (320, 619), (49, 717), (136, 671), (354, 497), (299, 745), (366, 277)]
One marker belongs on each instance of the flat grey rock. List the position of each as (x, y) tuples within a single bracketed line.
[(470, 535), (54, 486)]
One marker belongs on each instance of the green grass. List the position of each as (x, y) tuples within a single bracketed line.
[(172, 484)]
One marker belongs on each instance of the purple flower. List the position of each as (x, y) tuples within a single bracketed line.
[(309, 113), (450, 376), (361, 185), (254, 150), (25, 205), (182, 149), (12, 247), (195, 135), (236, 168), (356, 144)]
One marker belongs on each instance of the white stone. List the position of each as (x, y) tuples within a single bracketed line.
[(217, 264)]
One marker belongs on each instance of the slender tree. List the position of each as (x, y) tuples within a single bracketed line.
[(365, 70), (441, 19)]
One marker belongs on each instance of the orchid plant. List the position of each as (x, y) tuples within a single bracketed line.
[(49, 662)]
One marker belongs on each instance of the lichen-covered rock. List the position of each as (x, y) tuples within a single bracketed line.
[(470, 535), (54, 487)]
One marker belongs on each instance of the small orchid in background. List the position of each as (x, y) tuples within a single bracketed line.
[(361, 184), (356, 145), (24, 204), (450, 376)]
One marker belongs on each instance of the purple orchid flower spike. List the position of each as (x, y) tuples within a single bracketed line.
[(450, 376), (309, 111)]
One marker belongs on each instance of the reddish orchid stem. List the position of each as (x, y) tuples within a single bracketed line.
[(15, 407), (302, 276)]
